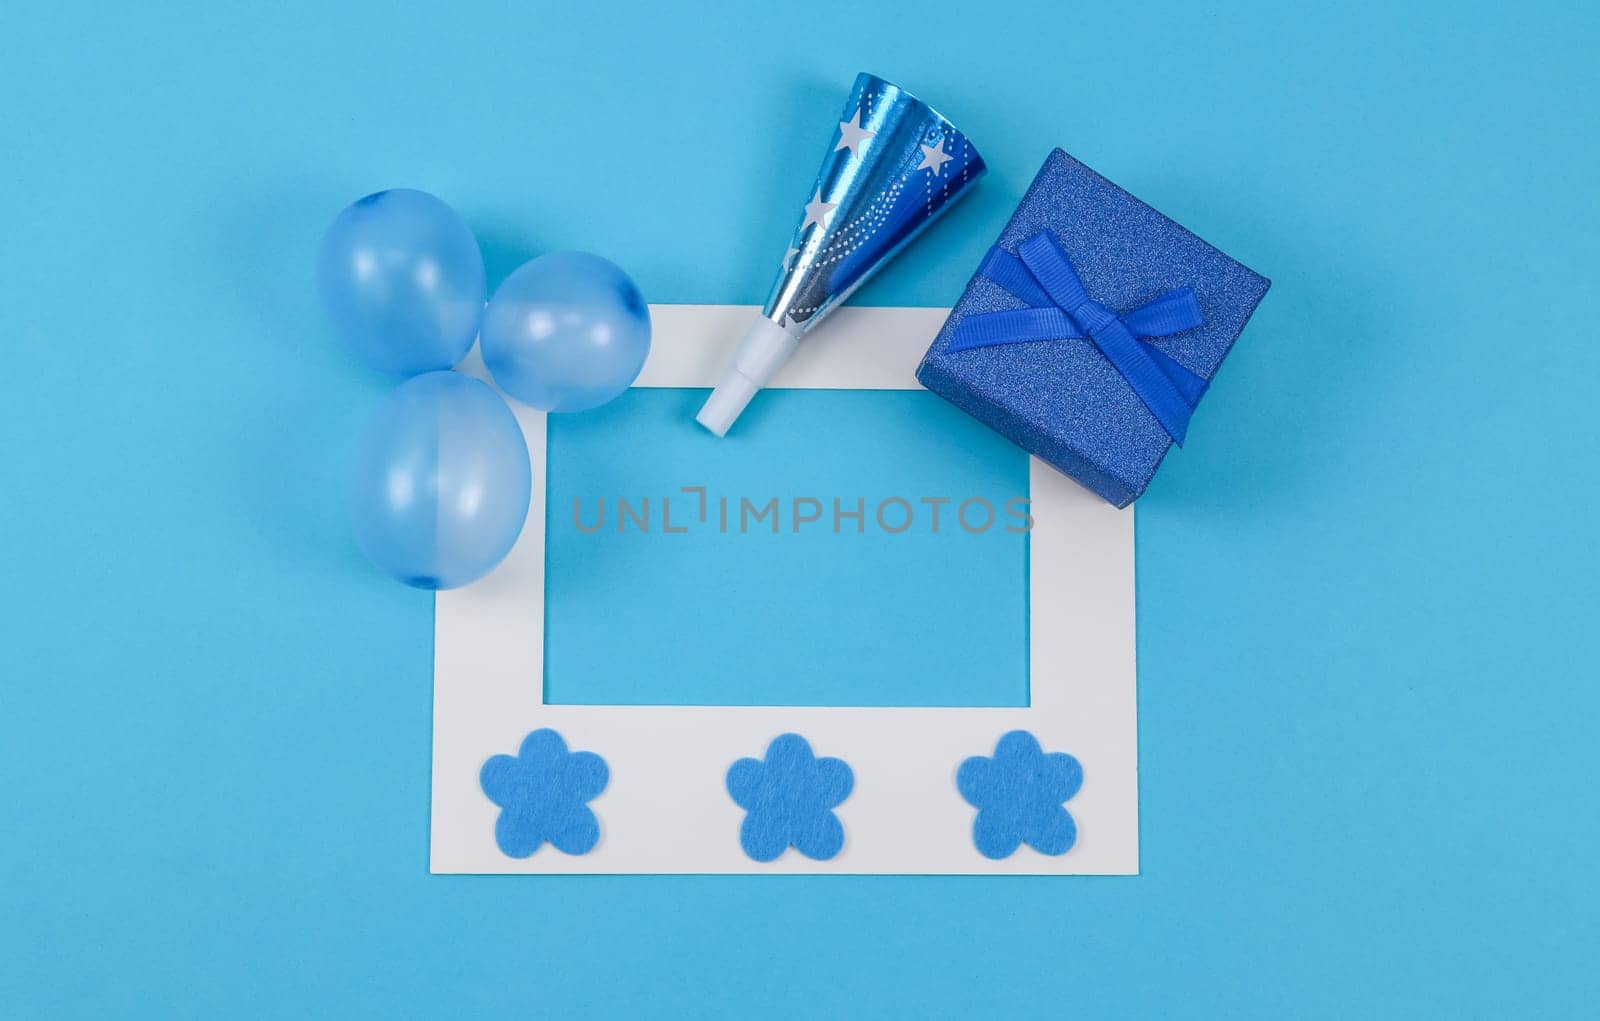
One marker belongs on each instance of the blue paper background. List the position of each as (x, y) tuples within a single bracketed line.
[(1367, 653), (730, 617)]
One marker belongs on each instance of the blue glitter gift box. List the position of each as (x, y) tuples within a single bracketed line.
[(1091, 331)]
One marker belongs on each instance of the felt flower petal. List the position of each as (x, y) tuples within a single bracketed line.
[(744, 778), (498, 778), (763, 837), (1054, 832), (834, 782), (789, 796), (1061, 776), (517, 837), (995, 836), (1018, 750), (975, 779), (821, 837), (587, 774), (543, 793), (576, 832)]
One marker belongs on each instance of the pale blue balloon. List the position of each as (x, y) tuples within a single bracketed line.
[(440, 481), (401, 276), (566, 332)]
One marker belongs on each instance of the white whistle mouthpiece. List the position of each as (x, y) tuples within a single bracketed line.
[(766, 346)]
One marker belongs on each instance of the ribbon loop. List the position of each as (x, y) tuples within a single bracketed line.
[(1054, 271), (1060, 308)]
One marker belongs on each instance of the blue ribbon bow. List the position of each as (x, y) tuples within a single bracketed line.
[(1060, 309)]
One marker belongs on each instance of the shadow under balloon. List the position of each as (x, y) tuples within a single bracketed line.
[(505, 247)]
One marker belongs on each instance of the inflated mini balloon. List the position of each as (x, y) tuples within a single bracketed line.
[(440, 482), (402, 279), (566, 332)]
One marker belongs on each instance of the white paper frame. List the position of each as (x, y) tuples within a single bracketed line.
[(666, 809)]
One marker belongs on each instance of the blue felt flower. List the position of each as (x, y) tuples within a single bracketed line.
[(1020, 795), (543, 793), (789, 797)]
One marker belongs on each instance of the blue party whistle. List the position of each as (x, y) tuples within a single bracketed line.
[(893, 166)]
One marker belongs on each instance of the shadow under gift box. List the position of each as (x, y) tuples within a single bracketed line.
[(1062, 400)]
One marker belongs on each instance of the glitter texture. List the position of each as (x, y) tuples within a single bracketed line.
[(1062, 401)]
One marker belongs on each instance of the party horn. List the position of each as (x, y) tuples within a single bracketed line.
[(893, 166)]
